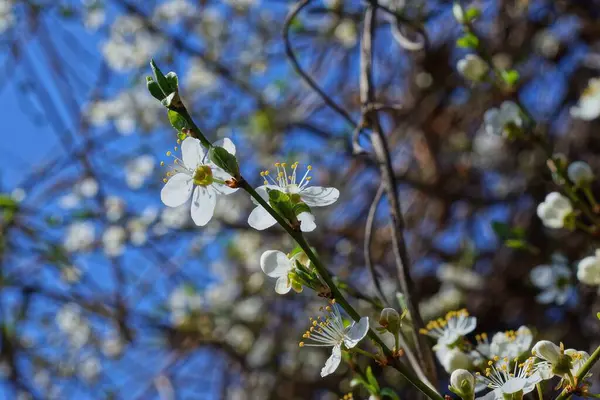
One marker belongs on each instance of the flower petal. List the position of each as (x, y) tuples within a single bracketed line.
[(262, 192), (282, 285), (357, 332), (318, 196), (260, 219), (307, 222), (332, 362), (177, 190), (275, 263), (192, 152), (224, 176), (203, 205), (227, 144)]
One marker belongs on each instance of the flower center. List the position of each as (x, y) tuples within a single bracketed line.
[(203, 176), (287, 180)]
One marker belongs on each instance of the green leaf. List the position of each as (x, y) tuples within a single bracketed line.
[(389, 393), (224, 159), (154, 89), (472, 14), (299, 208), (160, 78), (468, 41), (6, 201), (282, 204), (501, 229), (515, 244), (173, 81), (598, 315), (372, 381), (511, 77), (176, 120)]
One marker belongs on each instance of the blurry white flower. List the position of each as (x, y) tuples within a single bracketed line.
[(242, 4), (314, 196), (199, 178), (69, 201), (175, 217), (113, 344), (172, 11), (72, 323), (230, 209), (90, 368), (472, 67), (138, 170), (458, 12), (115, 208), (460, 276), (447, 298), (79, 236), (7, 16), (331, 332), (239, 337), (503, 121), (554, 280), (18, 194), (94, 14), (223, 294), (113, 240), (452, 328), (70, 274), (511, 343), (588, 270), (554, 210), (452, 358), (580, 173), (88, 187), (546, 43), (250, 309), (588, 107), (199, 77), (130, 44), (346, 33), (261, 351), (138, 231), (276, 264), (183, 303), (509, 383)]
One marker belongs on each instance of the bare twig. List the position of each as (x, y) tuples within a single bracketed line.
[(367, 243)]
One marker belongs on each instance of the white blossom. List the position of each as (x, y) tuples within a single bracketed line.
[(452, 328), (452, 359), (183, 303), (196, 176), (504, 120), (115, 208), (90, 368), (79, 236), (463, 382), (588, 107), (7, 16), (588, 270), (88, 187), (331, 332), (506, 381), (554, 280), (138, 170), (71, 322), (172, 11), (199, 77), (346, 33), (314, 196), (70, 274), (94, 14), (276, 264), (554, 209), (113, 345), (113, 240), (553, 360), (580, 173), (472, 67)]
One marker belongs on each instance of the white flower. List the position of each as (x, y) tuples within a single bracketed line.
[(331, 332), (276, 264), (199, 178), (172, 11), (511, 344), (472, 67), (580, 173), (554, 209), (88, 187), (345, 32), (314, 196), (463, 382), (70, 274), (115, 208), (79, 236), (112, 345), (94, 15), (72, 323), (452, 358), (138, 170), (90, 368), (7, 15), (506, 381), (588, 270), (175, 217), (450, 329), (588, 107), (183, 302), (69, 201), (558, 362), (113, 240), (458, 12), (504, 120), (199, 77), (554, 280)]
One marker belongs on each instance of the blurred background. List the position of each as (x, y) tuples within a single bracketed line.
[(105, 293)]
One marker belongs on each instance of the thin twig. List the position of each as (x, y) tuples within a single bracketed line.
[(367, 243)]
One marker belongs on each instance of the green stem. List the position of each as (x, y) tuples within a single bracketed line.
[(363, 352), (337, 295), (195, 131), (590, 196), (539, 391), (581, 373)]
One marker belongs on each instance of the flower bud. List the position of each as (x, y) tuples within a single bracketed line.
[(546, 350), (472, 67), (588, 270), (390, 320), (458, 12), (462, 382), (554, 210), (580, 173)]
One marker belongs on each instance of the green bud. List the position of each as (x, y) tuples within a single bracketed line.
[(176, 120), (154, 89), (462, 383), (225, 160), (390, 320)]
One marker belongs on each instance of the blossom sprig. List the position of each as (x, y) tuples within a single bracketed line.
[(293, 271), (330, 331), (509, 382), (450, 329)]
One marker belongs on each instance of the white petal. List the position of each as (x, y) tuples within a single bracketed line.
[(262, 192), (493, 395), (332, 362), (192, 152), (307, 222), (224, 176), (513, 385), (357, 332), (227, 144), (177, 190), (275, 263), (260, 219), (318, 196), (203, 205), (282, 285)]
